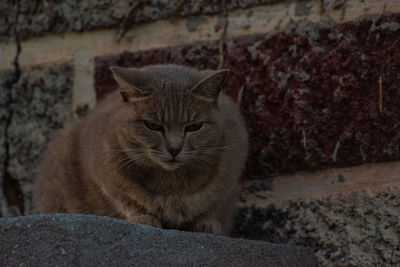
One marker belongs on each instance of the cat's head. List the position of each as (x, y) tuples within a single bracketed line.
[(168, 114)]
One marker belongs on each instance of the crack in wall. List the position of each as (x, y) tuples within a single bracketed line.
[(11, 187)]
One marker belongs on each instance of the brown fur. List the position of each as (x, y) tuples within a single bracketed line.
[(110, 163)]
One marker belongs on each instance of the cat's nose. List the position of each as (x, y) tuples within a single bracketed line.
[(174, 151)]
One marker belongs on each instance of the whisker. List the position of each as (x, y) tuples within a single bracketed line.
[(205, 160), (126, 158), (220, 148), (125, 150), (199, 157), (131, 161)]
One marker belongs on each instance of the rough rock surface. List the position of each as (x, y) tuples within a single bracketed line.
[(6, 79), (355, 230), (39, 103), (40, 17), (86, 240), (311, 93)]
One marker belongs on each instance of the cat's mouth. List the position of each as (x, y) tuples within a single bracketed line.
[(171, 165)]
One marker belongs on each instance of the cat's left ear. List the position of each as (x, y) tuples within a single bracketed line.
[(130, 83), (210, 84)]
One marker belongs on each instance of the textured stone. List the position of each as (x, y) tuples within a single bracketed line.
[(40, 17), (7, 20), (85, 240), (40, 103), (302, 9), (6, 79), (353, 230), (311, 93)]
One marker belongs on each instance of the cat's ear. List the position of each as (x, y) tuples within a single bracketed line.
[(210, 84), (129, 81)]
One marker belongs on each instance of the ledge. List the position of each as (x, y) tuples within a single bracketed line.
[(100, 241)]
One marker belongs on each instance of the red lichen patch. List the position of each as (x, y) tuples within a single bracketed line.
[(311, 99)]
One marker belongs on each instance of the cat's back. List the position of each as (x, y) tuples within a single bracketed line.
[(57, 164), (67, 139), (233, 121), (63, 160), (235, 147)]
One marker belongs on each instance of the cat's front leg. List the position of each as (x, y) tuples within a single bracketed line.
[(131, 212), (145, 219), (207, 225)]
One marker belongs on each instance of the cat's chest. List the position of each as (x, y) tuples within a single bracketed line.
[(179, 209), (182, 203)]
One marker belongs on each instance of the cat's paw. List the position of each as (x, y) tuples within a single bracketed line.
[(207, 225), (146, 219)]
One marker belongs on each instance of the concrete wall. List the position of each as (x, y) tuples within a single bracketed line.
[(319, 85)]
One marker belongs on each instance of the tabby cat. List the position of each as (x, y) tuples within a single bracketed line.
[(167, 149)]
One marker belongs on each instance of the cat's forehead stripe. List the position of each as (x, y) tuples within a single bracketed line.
[(174, 109)]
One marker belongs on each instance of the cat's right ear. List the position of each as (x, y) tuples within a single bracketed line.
[(210, 84), (129, 81)]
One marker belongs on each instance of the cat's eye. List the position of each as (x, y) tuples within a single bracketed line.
[(154, 126), (193, 127)]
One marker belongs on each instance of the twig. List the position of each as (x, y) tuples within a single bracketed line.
[(304, 139), (240, 96), (335, 151), (221, 43), (363, 155), (380, 94), (127, 19), (224, 10), (179, 5), (16, 210)]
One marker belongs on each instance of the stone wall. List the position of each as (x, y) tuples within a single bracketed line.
[(356, 229), (38, 102), (42, 17), (318, 83), (311, 92)]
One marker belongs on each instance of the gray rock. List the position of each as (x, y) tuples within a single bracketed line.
[(40, 102), (302, 9), (41, 17), (353, 230), (6, 79), (195, 22), (87, 240), (7, 20)]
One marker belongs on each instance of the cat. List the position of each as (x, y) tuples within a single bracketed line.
[(167, 149)]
